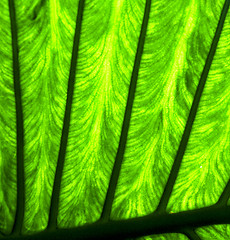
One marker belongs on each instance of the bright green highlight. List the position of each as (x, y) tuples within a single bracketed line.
[(178, 39)]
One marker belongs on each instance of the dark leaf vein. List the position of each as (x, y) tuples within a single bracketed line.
[(52, 223), (19, 216), (184, 140), (126, 121)]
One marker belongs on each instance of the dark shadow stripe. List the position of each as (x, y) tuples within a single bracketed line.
[(19, 125), (52, 223), (125, 127), (223, 200), (180, 153), (139, 227), (191, 234)]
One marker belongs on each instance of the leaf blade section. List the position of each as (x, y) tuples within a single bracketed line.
[(106, 57), (125, 127), (52, 224), (45, 36), (205, 168), (161, 107), (8, 142), (20, 206)]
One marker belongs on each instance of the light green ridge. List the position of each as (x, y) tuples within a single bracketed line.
[(205, 169), (217, 232), (45, 45), (54, 205), (163, 100), (110, 32), (203, 185), (105, 215), (8, 187), (167, 236), (177, 43)]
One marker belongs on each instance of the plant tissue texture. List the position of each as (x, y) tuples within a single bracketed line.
[(37, 56)]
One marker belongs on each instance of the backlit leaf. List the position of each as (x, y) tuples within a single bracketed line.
[(114, 119)]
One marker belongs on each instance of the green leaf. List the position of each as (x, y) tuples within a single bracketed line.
[(114, 119)]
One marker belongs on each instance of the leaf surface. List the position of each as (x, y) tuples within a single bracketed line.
[(112, 112)]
